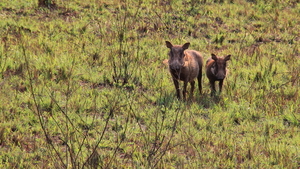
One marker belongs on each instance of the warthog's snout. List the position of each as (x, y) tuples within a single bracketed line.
[(219, 73), (221, 76), (175, 65)]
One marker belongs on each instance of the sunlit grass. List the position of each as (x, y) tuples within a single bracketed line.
[(84, 85)]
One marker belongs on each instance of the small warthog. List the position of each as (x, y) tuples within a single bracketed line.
[(185, 65), (216, 71)]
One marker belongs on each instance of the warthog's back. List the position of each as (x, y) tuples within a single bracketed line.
[(193, 65), (196, 55)]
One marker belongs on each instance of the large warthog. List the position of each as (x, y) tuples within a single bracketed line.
[(216, 71), (185, 65)]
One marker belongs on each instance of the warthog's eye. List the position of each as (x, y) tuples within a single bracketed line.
[(182, 54), (171, 54), (214, 68)]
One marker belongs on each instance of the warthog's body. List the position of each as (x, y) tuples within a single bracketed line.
[(216, 71), (185, 65)]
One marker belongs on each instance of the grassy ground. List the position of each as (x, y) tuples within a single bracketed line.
[(83, 85)]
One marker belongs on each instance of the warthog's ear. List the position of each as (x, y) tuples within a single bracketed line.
[(185, 46), (169, 44), (214, 57), (227, 57)]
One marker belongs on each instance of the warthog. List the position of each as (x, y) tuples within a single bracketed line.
[(216, 71), (185, 65)]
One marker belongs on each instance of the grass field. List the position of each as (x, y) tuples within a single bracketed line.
[(83, 85)]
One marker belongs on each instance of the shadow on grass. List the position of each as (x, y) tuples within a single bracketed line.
[(208, 101), (205, 100)]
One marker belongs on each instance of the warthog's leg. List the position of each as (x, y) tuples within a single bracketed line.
[(212, 86), (199, 81), (220, 85), (184, 89), (192, 88), (176, 84)]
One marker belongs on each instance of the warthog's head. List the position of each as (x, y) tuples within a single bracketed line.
[(219, 66), (176, 60)]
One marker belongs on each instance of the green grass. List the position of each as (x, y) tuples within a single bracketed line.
[(84, 86)]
